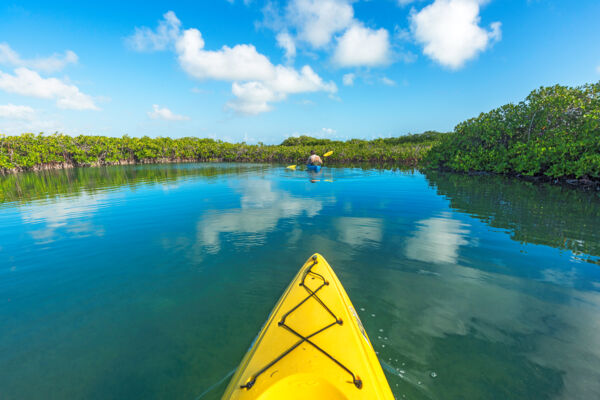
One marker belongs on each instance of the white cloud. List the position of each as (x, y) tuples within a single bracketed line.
[(362, 46), (316, 21), (146, 39), (8, 55), (29, 83), (287, 43), (164, 113), (17, 119), (11, 111), (450, 33), (387, 81), (254, 97), (598, 69), (55, 62), (288, 80), (348, 79), (241, 62), (403, 3), (256, 82)]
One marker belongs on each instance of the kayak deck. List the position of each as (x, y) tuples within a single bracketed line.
[(312, 346)]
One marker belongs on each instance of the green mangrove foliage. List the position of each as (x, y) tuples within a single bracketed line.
[(554, 132), (427, 137), (29, 151)]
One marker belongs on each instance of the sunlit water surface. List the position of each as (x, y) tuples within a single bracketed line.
[(151, 281)]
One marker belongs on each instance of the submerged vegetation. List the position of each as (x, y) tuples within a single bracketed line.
[(553, 133), (31, 152)]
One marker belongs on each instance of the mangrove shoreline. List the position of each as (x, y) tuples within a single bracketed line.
[(551, 136), (581, 183), (29, 152)]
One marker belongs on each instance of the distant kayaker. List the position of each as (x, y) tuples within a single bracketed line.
[(314, 159)]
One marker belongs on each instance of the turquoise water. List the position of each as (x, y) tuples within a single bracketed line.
[(152, 281)]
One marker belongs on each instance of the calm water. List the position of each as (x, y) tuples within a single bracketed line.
[(151, 281)]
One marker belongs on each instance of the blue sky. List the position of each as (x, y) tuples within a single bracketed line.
[(264, 70)]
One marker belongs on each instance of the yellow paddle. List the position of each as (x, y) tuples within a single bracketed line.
[(324, 155)]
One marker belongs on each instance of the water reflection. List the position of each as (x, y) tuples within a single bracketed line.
[(359, 231), (494, 333), (27, 186), (71, 216), (556, 216), (437, 239), (262, 206)]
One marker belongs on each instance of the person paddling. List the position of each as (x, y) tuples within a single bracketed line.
[(314, 159)]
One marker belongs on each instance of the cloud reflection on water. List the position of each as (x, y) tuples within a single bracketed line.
[(262, 207), (357, 231), (503, 312), (71, 215), (437, 240)]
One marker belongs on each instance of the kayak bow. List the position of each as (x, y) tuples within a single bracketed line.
[(313, 346)]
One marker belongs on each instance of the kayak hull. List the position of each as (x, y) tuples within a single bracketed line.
[(313, 346), (313, 168)]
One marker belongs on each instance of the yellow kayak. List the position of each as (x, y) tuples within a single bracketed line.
[(313, 346)]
